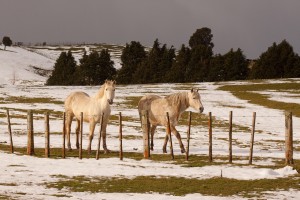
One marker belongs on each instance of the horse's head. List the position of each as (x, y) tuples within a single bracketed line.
[(195, 100), (109, 91)]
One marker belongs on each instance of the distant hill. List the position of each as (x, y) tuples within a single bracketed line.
[(33, 64)]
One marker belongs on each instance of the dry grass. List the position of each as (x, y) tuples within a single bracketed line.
[(248, 92)]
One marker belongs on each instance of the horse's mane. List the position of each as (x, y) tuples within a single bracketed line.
[(100, 93), (177, 99)]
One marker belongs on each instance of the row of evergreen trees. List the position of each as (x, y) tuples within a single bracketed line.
[(161, 64), (93, 69)]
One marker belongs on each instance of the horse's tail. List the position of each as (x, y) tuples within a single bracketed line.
[(140, 108)]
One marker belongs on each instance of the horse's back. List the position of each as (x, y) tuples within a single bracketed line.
[(76, 98), (158, 107), (145, 102), (155, 105)]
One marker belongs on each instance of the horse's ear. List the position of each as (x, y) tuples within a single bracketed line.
[(114, 82), (197, 90), (105, 80), (192, 90)]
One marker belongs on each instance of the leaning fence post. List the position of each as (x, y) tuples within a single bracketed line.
[(170, 136), (289, 138), (252, 138), (81, 129), (188, 136), (120, 136), (210, 137), (64, 136), (145, 127), (99, 138), (230, 137), (9, 131), (47, 135), (30, 137)]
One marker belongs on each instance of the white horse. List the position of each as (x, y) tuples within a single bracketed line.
[(175, 105), (92, 108)]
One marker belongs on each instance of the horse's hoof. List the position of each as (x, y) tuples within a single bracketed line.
[(165, 151), (182, 151)]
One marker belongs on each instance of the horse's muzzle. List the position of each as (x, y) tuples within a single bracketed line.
[(201, 109), (110, 101)]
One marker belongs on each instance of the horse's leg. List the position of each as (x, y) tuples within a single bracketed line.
[(104, 125), (68, 123), (91, 136), (77, 133), (166, 140), (177, 134), (152, 135)]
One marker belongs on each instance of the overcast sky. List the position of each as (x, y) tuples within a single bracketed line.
[(252, 25)]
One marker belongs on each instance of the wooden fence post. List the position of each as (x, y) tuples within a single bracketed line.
[(188, 136), (252, 138), (289, 138), (30, 137), (145, 128), (170, 136), (9, 131), (80, 135), (230, 137), (210, 137), (47, 135), (64, 136), (99, 138), (121, 136)]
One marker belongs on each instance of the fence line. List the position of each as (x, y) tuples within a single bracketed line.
[(145, 124)]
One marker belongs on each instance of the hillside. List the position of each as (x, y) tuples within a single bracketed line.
[(31, 65)]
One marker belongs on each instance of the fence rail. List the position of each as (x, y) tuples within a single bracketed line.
[(147, 136)]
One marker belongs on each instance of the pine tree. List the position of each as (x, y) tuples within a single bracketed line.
[(217, 71), (236, 65), (132, 56), (6, 42), (148, 70), (64, 69), (203, 37), (201, 53), (106, 69), (198, 67), (178, 70), (155, 67), (95, 68), (276, 62)]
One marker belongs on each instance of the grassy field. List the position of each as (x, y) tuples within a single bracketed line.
[(217, 186), (249, 92), (178, 186)]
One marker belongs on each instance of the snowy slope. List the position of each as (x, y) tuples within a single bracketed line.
[(17, 64)]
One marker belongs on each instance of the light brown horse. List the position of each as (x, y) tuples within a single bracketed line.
[(92, 108), (175, 105)]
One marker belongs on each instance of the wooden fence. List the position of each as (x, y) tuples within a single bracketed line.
[(146, 136)]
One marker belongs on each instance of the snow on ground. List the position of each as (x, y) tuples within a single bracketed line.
[(29, 172), (25, 169), (16, 65), (282, 96)]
